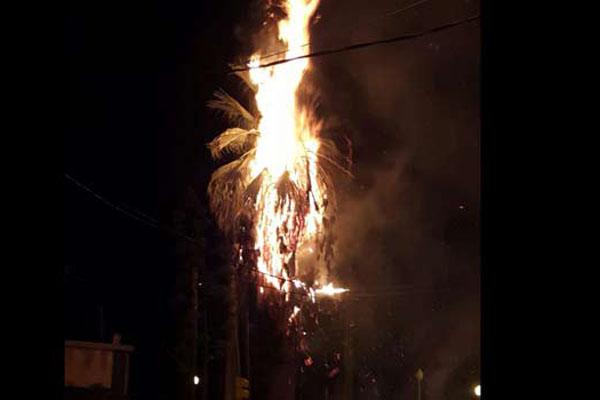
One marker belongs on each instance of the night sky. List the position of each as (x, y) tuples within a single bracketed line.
[(139, 77)]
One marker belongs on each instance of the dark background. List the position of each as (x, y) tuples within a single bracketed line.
[(139, 77), (140, 74)]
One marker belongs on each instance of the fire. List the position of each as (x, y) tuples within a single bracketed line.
[(279, 183), (286, 152)]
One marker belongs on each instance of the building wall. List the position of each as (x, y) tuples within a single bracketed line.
[(85, 367), (96, 370)]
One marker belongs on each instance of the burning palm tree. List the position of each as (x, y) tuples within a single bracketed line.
[(276, 199)]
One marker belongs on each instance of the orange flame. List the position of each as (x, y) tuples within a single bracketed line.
[(290, 196), (286, 149)]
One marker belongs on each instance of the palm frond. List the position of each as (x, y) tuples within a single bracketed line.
[(233, 141), (226, 189), (233, 110)]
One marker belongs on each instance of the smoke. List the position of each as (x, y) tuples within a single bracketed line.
[(411, 214), (411, 111)]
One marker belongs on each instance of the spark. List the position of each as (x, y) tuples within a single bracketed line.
[(330, 290)]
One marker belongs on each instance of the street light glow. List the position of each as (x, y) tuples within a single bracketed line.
[(477, 390)]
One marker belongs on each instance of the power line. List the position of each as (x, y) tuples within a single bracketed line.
[(408, 7), (152, 222), (392, 290), (149, 221), (369, 21), (140, 217), (145, 220), (357, 46)]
